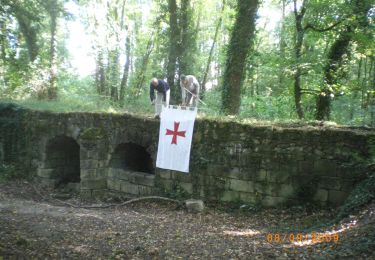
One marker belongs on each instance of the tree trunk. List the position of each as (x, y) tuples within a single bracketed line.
[(100, 74), (52, 90), (174, 33), (282, 47), (205, 75), (27, 29), (335, 55), (145, 60), (125, 74), (238, 49), (298, 50), (3, 42), (113, 67), (188, 49)]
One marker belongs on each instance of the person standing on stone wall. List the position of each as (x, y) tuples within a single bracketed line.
[(162, 94), (189, 90)]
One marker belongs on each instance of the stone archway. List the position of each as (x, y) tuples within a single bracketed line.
[(132, 157), (131, 170), (62, 160)]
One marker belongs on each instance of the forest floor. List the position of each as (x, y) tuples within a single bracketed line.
[(33, 225)]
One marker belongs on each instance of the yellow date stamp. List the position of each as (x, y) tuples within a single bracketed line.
[(301, 238)]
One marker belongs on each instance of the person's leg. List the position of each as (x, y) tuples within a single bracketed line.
[(158, 103), (196, 98), (188, 99), (167, 97), (183, 95), (194, 101)]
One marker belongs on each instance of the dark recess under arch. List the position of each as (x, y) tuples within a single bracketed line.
[(131, 156), (62, 155)]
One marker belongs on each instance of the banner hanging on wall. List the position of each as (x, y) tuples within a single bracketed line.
[(175, 136)]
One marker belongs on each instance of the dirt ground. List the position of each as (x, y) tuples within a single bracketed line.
[(33, 225)]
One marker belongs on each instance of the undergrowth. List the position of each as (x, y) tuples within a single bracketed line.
[(362, 194)]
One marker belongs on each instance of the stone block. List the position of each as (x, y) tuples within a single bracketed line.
[(278, 176), (129, 188), (46, 173), (266, 188), (321, 195), (166, 184), (164, 174), (272, 201), (241, 173), (92, 154), (149, 180), (74, 186), (218, 170), (261, 175), (248, 197), (194, 206), (99, 193), (118, 173), (239, 185), (229, 195), (325, 167), (47, 182), (111, 173), (188, 187), (89, 164), (145, 190), (86, 193), (329, 183), (143, 179), (114, 184), (94, 184), (183, 177), (287, 191), (101, 173), (336, 197), (88, 174), (347, 185), (305, 167)]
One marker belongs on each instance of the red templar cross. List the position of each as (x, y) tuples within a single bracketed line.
[(175, 133)]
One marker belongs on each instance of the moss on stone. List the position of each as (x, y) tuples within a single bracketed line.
[(93, 133)]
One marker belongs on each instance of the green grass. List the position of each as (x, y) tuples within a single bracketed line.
[(254, 110)]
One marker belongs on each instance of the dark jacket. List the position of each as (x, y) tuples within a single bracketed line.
[(162, 87)]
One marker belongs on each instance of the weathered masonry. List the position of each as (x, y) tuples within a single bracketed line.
[(105, 154)]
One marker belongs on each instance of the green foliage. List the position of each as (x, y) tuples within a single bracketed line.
[(362, 194), (267, 92), (176, 192), (11, 172)]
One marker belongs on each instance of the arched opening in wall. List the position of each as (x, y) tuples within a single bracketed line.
[(132, 157), (63, 160)]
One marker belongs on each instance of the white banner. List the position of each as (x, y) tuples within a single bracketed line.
[(175, 135)]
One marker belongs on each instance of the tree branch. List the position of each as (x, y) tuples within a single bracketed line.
[(310, 91), (312, 27)]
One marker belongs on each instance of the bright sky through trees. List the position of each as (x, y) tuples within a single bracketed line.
[(79, 41)]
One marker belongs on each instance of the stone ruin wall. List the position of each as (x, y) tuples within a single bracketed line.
[(107, 154)]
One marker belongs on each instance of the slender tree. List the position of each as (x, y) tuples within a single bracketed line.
[(174, 35), (188, 39), (205, 75), (237, 52), (125, 73), (299, 35), (53, 10)]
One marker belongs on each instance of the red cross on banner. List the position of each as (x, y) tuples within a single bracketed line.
[(175, 132)]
